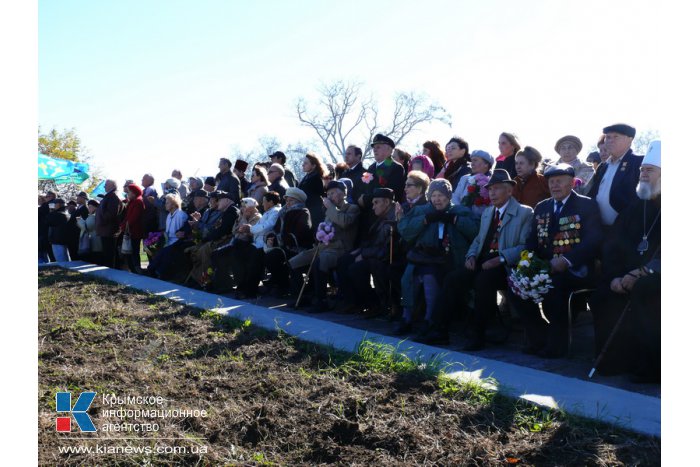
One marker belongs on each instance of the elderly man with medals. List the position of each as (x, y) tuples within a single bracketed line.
[(631, 283), (566, 232)]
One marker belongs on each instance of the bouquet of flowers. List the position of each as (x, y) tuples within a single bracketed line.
[(206, 278), (367, 177), (477, 197), (325, 232), (153, 243), (530, 280)]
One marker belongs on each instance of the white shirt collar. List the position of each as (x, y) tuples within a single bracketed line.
[(563, 202), (502, 209)]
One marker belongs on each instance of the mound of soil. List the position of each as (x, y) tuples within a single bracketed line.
[(271, 399)]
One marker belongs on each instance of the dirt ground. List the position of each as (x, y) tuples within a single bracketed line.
[(273, 400)]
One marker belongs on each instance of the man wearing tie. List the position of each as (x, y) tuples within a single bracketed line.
[(566, 232)]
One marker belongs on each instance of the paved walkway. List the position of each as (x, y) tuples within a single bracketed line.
[(555, 383)]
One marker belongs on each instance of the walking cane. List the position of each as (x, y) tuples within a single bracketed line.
[(306, 279), (610, 339), (391, 254)]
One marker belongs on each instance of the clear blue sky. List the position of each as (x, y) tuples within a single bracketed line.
[(154, 85)]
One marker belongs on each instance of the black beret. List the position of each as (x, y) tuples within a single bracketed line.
[(82, 194), (93, 202), (559, 169), (200, 193), (216, 194), (211, 181), (383, 193), (621, 128), (336, 184), (72, 202), (59, 201), (381, 139)]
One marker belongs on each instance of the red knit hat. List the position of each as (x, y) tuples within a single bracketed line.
[(135, 188)]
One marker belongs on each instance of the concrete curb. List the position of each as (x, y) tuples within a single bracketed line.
[(622, 408)]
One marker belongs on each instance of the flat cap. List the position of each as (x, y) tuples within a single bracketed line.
[(621, 128), (387, 193), (559, 169), (296, 193)]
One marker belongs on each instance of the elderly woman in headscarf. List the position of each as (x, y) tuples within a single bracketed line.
[(170, 187), (482, 162), (424, 164), (568, 147), (438, 235), (133, 224)]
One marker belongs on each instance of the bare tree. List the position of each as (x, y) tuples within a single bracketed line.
[(642, 140), (269, 144), (343, 111)]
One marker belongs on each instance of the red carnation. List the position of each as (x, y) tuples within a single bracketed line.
[(477, 202), (471, 188), (382, 181)]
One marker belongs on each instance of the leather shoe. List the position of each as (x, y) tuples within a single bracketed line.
[(321, 307), (473, 344), (551, 353), (403, 328), (434, 337)]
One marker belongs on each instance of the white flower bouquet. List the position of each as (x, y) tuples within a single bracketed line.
[(530, 280)]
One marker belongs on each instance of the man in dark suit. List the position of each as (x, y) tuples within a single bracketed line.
[(278, 157), (614, 183), (227, 181), (566, 232), (383, 173), (353, 157), (107, 222), (377, 253)]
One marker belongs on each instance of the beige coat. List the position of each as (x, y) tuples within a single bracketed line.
[(345, 222)]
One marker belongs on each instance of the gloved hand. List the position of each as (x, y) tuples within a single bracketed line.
[(434, 216), (447, 217)]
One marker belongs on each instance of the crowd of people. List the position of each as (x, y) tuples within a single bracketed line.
[(425, 240)]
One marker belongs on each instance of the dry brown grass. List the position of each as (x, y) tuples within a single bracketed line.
[(274, 400)]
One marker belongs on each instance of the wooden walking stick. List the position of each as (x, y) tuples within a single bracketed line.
[(610, 339), (306, 279)]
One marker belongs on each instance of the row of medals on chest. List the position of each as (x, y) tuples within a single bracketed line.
[(569, 236)]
